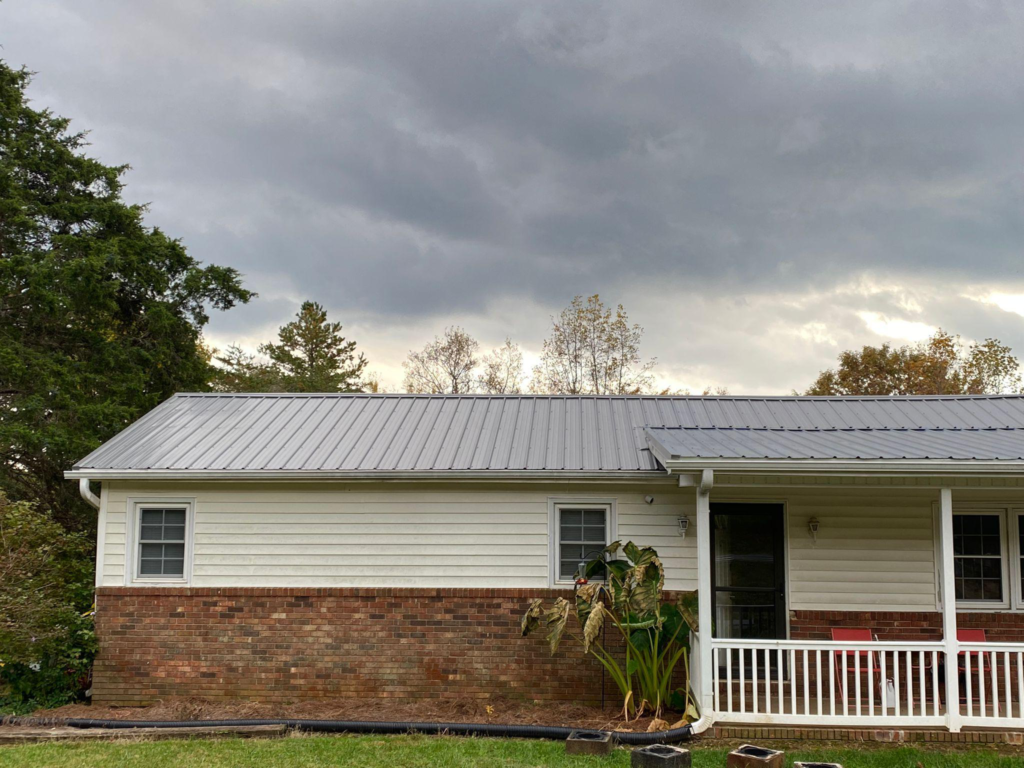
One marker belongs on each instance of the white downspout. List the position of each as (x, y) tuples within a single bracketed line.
[(86, 492)]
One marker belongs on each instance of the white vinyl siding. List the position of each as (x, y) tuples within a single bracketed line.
[(657, 525), (382, 535), (873, 552)]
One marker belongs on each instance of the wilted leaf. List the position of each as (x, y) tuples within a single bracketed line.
[(657, 725), (556, 619), (645, 598), (632, 551), (531, 619), (593, 626)]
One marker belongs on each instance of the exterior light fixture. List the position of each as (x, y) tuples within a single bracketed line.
[(684, 524), (812, 526)]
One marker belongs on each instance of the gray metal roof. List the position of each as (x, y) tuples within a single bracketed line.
[(677, 443), (465, 433)]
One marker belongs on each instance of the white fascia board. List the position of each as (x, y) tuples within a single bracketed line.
[(875, 467), (610, 476)]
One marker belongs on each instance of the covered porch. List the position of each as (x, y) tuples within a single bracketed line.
[(909, 620)]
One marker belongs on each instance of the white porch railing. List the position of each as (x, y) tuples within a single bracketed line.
[(991, 684), (796, 682)]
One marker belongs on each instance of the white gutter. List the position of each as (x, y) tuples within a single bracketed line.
[(86, 493), (611, 475), (847, 466)]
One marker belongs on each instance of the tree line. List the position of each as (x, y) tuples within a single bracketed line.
[(591, 350)]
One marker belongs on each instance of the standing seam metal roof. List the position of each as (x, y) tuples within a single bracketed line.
[(390, 433)]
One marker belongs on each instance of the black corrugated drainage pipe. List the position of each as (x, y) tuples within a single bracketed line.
[(364, 726)]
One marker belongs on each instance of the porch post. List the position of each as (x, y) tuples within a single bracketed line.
[(948, 595), (704, 591)]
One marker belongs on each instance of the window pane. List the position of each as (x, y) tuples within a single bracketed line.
[(992, 589), (594, 517), (151, 533), (971, 567), (148, 551), (572, 517), (990, 544), (152, 516), (174, 567), (174, 551), (174, 533), (174, 517), (149, 567)]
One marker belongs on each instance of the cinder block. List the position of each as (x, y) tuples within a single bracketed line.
[(660, 756), (588, 743), (750, 756)]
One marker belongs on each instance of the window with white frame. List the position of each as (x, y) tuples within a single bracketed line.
[(1019, 518), (582, 534), (978, 557), (161, 541)]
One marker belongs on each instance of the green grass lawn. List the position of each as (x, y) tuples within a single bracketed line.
[(428, 752)]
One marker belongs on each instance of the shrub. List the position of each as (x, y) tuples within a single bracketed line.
[(46, 636), (656, 635)]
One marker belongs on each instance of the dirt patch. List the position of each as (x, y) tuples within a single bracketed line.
[(498, 711)]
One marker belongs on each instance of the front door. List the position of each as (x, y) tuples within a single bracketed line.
[(748, 574)]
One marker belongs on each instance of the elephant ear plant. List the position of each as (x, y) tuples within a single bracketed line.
[(627, 594)]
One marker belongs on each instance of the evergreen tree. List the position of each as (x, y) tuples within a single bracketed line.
[(100, 315), (313, 356)]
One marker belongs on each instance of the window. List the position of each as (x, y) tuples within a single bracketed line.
[(1020, 555), (161, 551), (582, 533), (978, 557)]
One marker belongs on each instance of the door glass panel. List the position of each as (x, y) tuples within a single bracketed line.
[(745, 551), (745, 615)]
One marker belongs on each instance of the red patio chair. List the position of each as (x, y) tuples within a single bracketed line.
[(868, 658), (972, 636)]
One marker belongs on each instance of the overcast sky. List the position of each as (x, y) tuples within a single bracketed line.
[(760, 184)]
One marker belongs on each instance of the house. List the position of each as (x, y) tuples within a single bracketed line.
[(282, 546)]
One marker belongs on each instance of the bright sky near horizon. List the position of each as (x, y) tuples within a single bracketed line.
[(761, 185)]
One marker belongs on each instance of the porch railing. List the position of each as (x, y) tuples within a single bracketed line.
[(991, 684), (815, 683)]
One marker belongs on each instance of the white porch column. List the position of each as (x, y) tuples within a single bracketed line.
[(704, 591), (948, 595)]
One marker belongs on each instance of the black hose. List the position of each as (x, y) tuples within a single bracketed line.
[(364, 726)]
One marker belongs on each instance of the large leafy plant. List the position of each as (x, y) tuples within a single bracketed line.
[(655, 634)]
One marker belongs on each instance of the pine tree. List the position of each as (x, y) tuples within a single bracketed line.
[(312, 356)]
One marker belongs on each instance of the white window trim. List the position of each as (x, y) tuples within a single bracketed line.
[(131, 557), (555, 503), (1007, 569), (1016, 567)]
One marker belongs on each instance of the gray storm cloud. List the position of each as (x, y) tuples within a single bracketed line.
[(728, 170)]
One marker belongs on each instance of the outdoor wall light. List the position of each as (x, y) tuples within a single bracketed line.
[(812, 526), (684, 524)]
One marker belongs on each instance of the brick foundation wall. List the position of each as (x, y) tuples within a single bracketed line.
[(892, 625), (288, 644)]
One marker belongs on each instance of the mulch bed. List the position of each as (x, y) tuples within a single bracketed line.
[(498, 711)]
